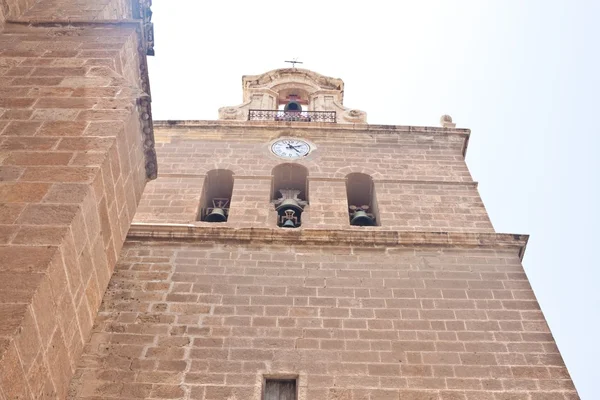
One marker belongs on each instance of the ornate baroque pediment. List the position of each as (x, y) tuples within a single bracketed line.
[(319, 81), (317, 92)]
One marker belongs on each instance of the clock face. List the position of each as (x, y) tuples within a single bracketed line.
[(290, 148)]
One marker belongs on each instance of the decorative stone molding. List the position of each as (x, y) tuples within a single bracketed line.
[(279, 76), (231, 113), (358, 237), (446, 121), (145, 101), (145, 113), (141, 10), (355, 116), (317, 92)]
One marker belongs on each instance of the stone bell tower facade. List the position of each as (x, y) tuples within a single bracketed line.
[(290, 250)]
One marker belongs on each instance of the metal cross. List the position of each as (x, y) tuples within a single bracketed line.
[(294, 62)]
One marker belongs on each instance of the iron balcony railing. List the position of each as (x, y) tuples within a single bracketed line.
[(299, 116)]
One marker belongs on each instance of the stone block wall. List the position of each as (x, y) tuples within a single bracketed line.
[(79, 10), (72, 170), (206, 320), (442, 206), (171, 199)]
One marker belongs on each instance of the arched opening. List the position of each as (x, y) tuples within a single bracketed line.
[(292, 106), (216, 196), (289, 194), (362, 201)]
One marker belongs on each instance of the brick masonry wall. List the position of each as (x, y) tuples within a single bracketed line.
[(208, 320), (421, 183), (71, 175)]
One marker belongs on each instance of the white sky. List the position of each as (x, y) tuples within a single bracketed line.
[(523, 76)]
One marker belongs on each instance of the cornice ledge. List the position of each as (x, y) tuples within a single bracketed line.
[(299, 125), (359, 237)]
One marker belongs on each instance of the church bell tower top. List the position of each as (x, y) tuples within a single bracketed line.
[(293, 94)]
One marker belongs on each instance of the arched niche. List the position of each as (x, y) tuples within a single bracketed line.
[(362, 200), (216, 196), (290, 176), (289, 193)]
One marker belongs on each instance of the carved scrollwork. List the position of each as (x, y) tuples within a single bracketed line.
[(229, 113), (446, 121), (355, 116), (328, 83)]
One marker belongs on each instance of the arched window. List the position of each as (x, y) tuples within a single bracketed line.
[(362, 201), (292, 105), (289, 193), (216, 196)]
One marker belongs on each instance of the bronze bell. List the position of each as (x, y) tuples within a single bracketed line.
[(288, 204), (361, 218), (218, 212), (288, 224), (289, 208), (216, 215), (293, 106)]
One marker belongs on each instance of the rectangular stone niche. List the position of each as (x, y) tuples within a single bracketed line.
[(280, 389)]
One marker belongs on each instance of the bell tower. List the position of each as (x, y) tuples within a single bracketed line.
[(289, 250)]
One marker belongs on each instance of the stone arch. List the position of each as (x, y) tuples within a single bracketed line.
[(235, 169), (312, 166), (343, 173)]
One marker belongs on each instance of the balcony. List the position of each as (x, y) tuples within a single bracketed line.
[(295, 116)]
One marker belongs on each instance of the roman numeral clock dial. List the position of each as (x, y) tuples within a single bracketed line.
[(290, 148)]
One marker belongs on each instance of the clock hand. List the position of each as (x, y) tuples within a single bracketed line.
[(292, 147)]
